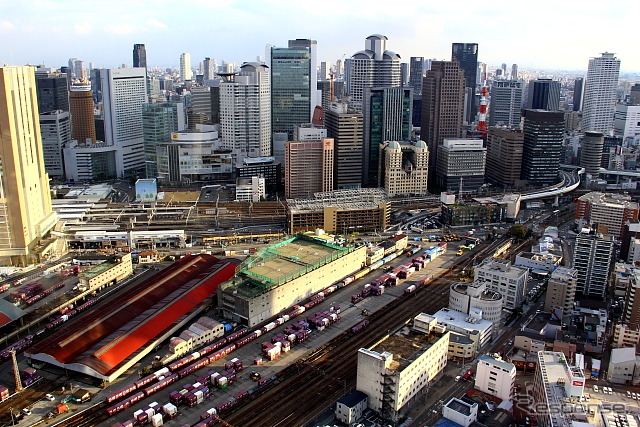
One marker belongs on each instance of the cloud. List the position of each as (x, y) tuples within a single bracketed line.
[(154, 24), (120, 29), (6, 26), (82, 28)]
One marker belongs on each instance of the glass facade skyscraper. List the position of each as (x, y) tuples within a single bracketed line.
[(543, 137), (467, 55), (158, 122), (291, 78)]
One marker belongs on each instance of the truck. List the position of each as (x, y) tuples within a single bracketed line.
[(416, 229), (467, 375)]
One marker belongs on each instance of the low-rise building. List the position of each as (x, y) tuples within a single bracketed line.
[(539, 262), (460, 412), (350, 408), (202, 332), (106, 273), (504, 278), (495, 377), (461, 347), (147, 257), (250, 189), (625, 336), (480, 210), (473, 326), (394, 371), (624, 366), (465, 297)]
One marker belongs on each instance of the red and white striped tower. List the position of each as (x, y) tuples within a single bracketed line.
[(482, 113)]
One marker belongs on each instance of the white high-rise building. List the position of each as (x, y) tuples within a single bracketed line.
[(627, 121), (375, 66), (185, 66), (55, 128), (245, 112), (124, 90), (600, 93)]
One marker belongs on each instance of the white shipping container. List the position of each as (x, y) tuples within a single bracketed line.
[(138, 412), (150, 412), (286, 317), (222, 381), (170, 409), (270, 326), (212, 411), (157, 420), (292, 337), (197, 385)]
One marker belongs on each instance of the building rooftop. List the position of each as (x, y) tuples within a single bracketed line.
[(352, 399), (99, 269), (357, 198), (461, 320), (459, 406), (282, 262), (498, 362), (621, 355), (406, 348), (610, 200)]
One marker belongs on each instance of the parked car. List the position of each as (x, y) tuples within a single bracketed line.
[(49, 397)]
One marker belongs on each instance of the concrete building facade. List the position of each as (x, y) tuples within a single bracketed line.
[(506, 103), (25, 202), (610, 211), (592, 257), (279, 276), (496, 377), (561, 290), (55, 129), (470, 298), (461, 163), (393, 372), (345, 126), (375, 66), (124, 91), (308, 168), (500, 276), (404, 168), (599, 103), (504, 155)]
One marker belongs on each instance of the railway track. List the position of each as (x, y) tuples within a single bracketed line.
[(312, 385)]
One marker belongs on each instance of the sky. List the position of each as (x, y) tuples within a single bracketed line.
[(545, 34)]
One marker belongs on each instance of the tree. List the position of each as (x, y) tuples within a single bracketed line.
[(518, 231)]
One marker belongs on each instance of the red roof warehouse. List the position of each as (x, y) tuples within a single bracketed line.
[(107, 341)]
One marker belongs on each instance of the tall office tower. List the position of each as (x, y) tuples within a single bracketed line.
[(404, 74), (591, 153), (308, 168), (592, 257), (52, 90), (634, 94), (461, 164), (599, 103), (291, 87), (544, 94), (416, 67), (124, 92), (543, 138), (375, 66), (578, 93), (387, 114), (159, 121), (467, 55), (83, 127), (25, 201), (514, 72), (325, 70), (76, 68), (345, 127), (404, 168), (506, 103), (96, 85), (139, 55), (561, 290), (627, 122), (202, 102), (504, 69), (504, 155), (209, 66), (339, 68), (442, 106), (315, 95), (55, 129), (245, 113), (185, 67)]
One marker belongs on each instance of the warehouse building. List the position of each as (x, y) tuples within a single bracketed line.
[(340, 211), (105, 342), (111, 271), (394, 371), (285, 274)]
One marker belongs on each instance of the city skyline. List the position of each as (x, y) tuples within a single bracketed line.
[(504, 34)]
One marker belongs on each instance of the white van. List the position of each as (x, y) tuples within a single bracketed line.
[(595, 388)]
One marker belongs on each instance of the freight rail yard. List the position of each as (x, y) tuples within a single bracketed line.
[(325, 358)]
